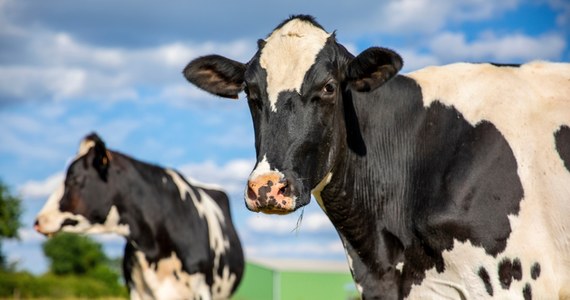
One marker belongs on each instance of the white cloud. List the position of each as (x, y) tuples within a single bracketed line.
[(59, 67), (44, 134), (109, 238), (41, 189), (312, 222), (29, 235), (414, 60), (450, 46), (403, 17), (474, 10), (231, 176), (312, 249)]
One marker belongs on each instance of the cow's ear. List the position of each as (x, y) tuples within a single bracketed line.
[(217, 75), (371, 68), (101, 159)]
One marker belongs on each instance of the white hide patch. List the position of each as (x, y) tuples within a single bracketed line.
[(351, 267), (461, 279), (167, 280), (319, 188), (209, 210), (527, 105), (288, 54), (111, 224), (262, 168)]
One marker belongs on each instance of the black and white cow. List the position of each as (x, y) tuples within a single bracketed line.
[(181, 242), (450, 182)]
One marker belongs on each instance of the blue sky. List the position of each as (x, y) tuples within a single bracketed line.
[(69, 67)]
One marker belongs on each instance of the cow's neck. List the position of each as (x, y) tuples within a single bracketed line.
[(376, 187), (137, 203), (370, 183)]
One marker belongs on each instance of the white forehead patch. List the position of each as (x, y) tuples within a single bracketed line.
[(262, 167), (288, 54)]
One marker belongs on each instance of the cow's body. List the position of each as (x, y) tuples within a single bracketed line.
[(452, 182), (181, 243), (453, 199)]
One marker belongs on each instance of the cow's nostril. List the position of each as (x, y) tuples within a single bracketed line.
[(284, 190), (251, 193), (37, 225)]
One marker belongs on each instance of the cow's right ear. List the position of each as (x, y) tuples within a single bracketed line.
[(372, 68), (217, 75), (101, 158)]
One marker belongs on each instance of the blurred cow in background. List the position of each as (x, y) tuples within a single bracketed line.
[(181, 242)]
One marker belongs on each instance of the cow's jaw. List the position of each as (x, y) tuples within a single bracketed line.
[(51, 219)]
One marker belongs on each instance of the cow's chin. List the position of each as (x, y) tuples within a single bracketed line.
[(270, 211), (275, 208), (47, 234)]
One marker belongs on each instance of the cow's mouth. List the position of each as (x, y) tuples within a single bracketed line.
[(273, 211), (270, 206), (50, 233), (39, 230)]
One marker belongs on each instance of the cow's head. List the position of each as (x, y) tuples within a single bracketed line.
[(295, 85), (84, 202)]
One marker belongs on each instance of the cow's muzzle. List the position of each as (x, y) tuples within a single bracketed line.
[(270, 193), (38, 228)]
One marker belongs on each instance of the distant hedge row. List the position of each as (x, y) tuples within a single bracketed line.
[(25, 285)]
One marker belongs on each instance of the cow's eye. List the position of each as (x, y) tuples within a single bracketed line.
[(329, 88)]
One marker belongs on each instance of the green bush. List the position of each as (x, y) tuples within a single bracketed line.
[(73, 254), (25, 285)]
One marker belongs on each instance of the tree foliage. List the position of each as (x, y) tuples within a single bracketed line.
[(78, 256), (10, 211), (73, 254)]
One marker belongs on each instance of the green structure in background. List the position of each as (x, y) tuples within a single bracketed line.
[(296, 280)]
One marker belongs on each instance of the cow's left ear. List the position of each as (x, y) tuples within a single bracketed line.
[(371, 68), (102, 159)]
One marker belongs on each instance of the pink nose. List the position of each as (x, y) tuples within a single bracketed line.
[(37, 226), (269, 193)]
